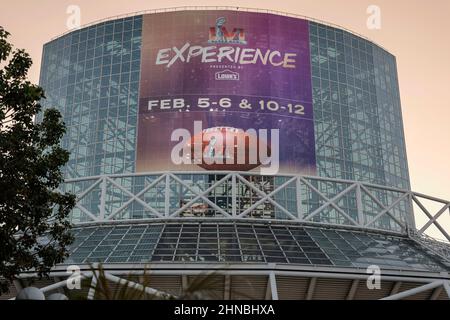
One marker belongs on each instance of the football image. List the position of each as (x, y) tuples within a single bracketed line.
[(227, 148)]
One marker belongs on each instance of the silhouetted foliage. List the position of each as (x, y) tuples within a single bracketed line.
[(34, 231)]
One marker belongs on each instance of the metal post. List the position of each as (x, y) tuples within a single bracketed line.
[(233, 194), (273, 285), (352, 292), (167, 196), (227, 288), (103, 198), (311, 288), (359, 205), (298, 192), (410, 211), (184, 283)]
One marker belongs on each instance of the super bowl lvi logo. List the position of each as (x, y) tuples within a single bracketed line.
[(220, 35)]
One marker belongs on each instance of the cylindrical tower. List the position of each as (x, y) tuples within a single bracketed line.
[(316, 105)]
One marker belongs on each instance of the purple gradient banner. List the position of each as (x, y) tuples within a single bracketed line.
[(227, 69)]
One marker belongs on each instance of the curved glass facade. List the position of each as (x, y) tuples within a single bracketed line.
[(92, 75), (358, 120)]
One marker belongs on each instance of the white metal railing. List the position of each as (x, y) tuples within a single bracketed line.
[(273, 273), (244, 195), (233, 8)]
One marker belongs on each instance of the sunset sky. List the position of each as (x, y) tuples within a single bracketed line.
[(415, 31)]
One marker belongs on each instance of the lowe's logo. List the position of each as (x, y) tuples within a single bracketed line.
[(220, 35), (227, 75)]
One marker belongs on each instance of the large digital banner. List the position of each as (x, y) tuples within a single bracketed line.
[(221, 76)]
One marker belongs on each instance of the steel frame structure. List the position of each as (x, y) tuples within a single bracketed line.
[(305, 188)]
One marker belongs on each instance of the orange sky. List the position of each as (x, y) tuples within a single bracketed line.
[(415, 31)]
